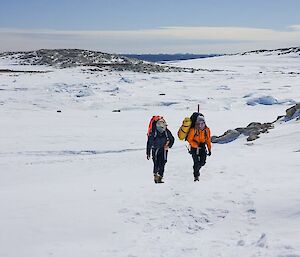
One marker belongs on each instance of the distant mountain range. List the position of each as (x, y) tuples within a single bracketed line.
[(161, 58)]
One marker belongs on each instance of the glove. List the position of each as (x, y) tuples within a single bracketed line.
[(209, 153), (148, 157)]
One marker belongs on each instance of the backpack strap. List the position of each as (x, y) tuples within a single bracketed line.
[(195, 132), (155, 133), (167, 136), (205, 134)]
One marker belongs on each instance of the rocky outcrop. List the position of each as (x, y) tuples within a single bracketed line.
[(254, 129), (227, 137), (251, 131), (280, 51), (66, 58), (290, 112)]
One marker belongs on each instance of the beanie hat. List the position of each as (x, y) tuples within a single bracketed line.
[(200, 118), (161, 125)]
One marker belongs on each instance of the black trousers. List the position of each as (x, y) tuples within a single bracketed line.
[(159, 157), (199, 158)]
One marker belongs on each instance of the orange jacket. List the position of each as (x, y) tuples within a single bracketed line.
[(195, 137)]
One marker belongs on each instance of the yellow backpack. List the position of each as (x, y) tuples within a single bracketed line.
[(184, 129)]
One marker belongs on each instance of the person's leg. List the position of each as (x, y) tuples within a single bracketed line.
[(196, 165), (202, 158), (155, 162), (155, 165), (161, 162), (160, 165)]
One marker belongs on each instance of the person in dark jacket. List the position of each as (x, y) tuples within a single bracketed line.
[(159, 141)]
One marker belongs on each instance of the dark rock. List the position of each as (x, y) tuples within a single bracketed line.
[(254, 125), (278, 118), (252, 137), (254, 132), (116, 111), (246, 131), (255, 128), (58, 111), (228, 136), (268, 125), (291, 111)]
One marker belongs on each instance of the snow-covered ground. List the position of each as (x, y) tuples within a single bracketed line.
[(77, 183)]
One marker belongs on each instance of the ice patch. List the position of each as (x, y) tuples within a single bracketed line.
[(268, 100), (73, 90), (164, 104), (83, 93), (223, 87), (264, 100), (126, 80), (167, 103)]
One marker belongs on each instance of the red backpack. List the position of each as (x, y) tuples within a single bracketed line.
[(152, 123)]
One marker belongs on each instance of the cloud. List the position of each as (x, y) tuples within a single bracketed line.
[(294, 27), (165, 39)]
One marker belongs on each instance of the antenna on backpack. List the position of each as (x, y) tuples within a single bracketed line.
[(198, 108)]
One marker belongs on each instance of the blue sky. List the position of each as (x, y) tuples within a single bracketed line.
[(132, 26)]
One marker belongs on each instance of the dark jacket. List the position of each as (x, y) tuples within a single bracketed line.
[(158, 140)]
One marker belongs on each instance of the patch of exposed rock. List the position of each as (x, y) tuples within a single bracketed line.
[(254, 129), (67, 58), (293, 111), (280, 51)]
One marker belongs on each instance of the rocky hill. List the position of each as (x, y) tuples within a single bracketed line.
[(66, 58), (280, 51)]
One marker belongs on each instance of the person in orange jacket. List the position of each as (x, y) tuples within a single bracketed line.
[(199, 139)]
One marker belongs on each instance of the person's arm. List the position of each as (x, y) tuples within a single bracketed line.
[(149, 144), (208, 142), (171, 138)]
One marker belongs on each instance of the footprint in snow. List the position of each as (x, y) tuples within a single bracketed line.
[(262, 241), (124, 210)]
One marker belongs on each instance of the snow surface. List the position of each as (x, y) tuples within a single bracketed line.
[(77, 183)]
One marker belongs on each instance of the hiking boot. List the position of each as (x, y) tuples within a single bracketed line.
[(159, 179), (196, 179), (156, 178)]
